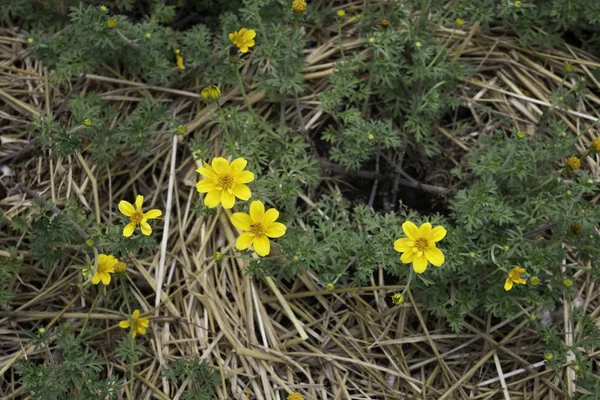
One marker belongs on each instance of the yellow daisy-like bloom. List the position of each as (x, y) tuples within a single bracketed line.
[(295, 396), (137, 216), (180, 63), (106, 266), (211, 93), (419, 245), (514, 276), (299, 6), (259, 226), (137, 324), (224, 182), (573, 163), (112, 23), (243, 39), (595, 146)]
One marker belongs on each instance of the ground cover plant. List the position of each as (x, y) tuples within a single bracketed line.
[(273, 199)]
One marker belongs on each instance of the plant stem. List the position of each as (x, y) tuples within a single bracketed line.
[(285, 77), (124, 293), (231, 144)]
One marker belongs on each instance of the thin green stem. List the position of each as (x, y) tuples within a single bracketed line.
[(231, 143), (340, 39), (410, 278), (87, 318), (250, 109), (285, 77)]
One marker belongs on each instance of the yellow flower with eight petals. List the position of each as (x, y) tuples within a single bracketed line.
[(243, 39), (419, 245), (514, 276), (259, 226), (224, 182), (137, 216), (106, 266), (137, 324)]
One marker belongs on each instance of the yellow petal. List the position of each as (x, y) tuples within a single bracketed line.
[(128, 230), (125, 324), (249, 34), (231, 36), (508, 284), (519, 270), (126, 208), (134, 334), (212, 199), (261, 245), (241, 221), (144, 322), (207, 171), (424, 230), (237, 165), (141, 330), (244, 241), (227, 199), (410, 230), (407, 257), (435, 256), (521, 281), (420, 264), (270, 216), (243, 49), (139, 200), (102, 259), (250, 43), (275, 230), (146, 228), (437, 234), (136, 314), (152, 214), (403, 245), (96, 279), (242, 192), (220, 165), (257, 211), (206, 185), (105, 276), (244, 177)]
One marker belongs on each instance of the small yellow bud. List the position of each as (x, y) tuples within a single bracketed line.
[(42, 330), (589, 181), (398, 298), (575, 229), (218, 256), (506, 248), (472, 254), (517, 4), (568, 282), (371, 40), (30, 40), (211, 93), (112, 23), (370, 136), (459, 22), (341, 13), (295, 396), (384, 23), (148, 35), (521, 134), (569, 68), (573, 163), (296, 258), (120, 267), (330, 286), (299, 6), (549, 356), (534, 280), (103, 8), (595, 146), (89, 242), (87, 122), (577, 367), (418, 44), (181, 129)]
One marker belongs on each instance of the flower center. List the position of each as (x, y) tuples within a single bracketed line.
[(421, 244), (101, 268), (137, 216), (225, 181), (257, 229)]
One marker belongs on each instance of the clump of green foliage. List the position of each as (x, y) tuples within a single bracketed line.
[(203, 379)]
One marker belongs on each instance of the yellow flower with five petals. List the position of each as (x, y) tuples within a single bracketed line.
[(243, 39), (137, 216), (137, 324), (259, 226), (106, 266), (224, 182), (419, 245)]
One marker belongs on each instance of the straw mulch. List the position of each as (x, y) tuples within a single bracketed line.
[(269, 339)]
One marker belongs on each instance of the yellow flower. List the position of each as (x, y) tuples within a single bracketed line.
[(514, 276), (341, 13), (137, 216), (112, 23), (295, 396), (120, 267), (549, 356), (30, 40), (259, 226), (595, 146), (224, 182), (568, 282), (419, 245), (180, 63), (211, 93), (569, 68), (137, 324), (459, 22), (243, 39), (573, 163), (87, 122), (89, 242), (299, 6), (106, 266), (517, 4), (398, 298)]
